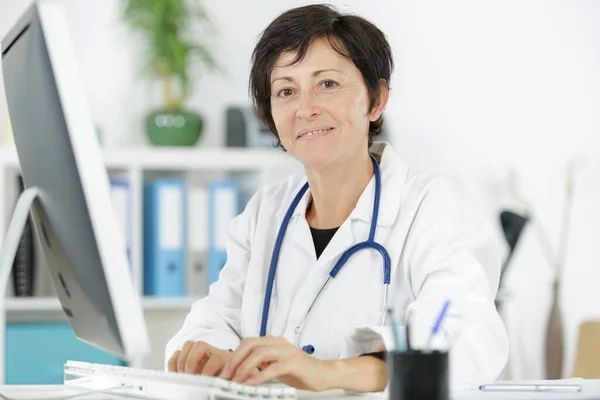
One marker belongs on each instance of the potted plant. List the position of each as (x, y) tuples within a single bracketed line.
[(172, 51)]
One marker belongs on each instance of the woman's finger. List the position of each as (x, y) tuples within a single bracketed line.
[(183, 356), (213, 366), (196, 356), (240, 354), (172, 364), (274, 370), (257, 358)]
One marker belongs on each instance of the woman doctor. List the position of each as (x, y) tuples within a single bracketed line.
[(320, 82)]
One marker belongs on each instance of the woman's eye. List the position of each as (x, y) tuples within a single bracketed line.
[(329, 84), (285, 92)]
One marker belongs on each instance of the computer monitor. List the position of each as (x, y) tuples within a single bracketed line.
[(67, 186)]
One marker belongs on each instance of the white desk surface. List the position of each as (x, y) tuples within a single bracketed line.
[(59, 392), (591, 391)]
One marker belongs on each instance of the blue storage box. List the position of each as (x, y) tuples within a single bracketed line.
[(36, 353)]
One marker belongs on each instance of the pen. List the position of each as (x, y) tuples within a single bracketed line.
[(397, 333), (407, 335), (438, 323), (523, 387)]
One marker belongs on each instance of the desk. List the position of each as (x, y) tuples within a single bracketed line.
[(58, 392), (591, 391)]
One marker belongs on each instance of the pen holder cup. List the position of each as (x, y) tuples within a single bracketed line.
[(416, 375)]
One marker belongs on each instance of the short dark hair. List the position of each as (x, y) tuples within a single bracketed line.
[(294, 30)]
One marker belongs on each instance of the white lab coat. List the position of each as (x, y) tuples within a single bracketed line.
[(439, 246)]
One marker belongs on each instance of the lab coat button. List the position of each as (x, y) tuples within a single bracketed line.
[(297, 330)]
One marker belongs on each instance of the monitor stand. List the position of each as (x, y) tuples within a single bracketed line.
[(7, 257)]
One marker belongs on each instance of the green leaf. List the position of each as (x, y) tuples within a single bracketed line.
[(172, 31)]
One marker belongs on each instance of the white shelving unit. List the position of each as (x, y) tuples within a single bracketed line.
[(181, 159), (136, 164), (20, 304)]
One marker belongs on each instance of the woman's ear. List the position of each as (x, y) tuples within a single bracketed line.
[(384, 95)]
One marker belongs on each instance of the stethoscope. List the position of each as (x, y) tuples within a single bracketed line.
[(369, 244)]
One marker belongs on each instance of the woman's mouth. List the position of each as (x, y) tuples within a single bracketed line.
[(314, 133)]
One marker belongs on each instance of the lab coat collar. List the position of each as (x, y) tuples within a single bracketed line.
[(393, 174)]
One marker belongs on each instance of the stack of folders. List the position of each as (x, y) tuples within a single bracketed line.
[(185, 229)]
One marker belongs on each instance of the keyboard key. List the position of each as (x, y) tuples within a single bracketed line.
[(263, 390), (236, 387), (249, 390), (277, 391)]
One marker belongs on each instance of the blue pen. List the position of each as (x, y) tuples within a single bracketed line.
[(438, 323), (407, 335), (400, 346)]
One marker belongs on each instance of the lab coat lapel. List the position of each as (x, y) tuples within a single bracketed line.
[(302, 237), (298, 231), (340, 242)]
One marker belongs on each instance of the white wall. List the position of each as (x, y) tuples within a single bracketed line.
[(478, 86)]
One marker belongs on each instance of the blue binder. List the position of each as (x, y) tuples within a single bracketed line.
[(164, 238), (223, 203)]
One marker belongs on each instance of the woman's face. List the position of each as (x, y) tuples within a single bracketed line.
[(320, 106)]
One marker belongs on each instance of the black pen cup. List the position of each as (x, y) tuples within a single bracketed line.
[(416, 375)]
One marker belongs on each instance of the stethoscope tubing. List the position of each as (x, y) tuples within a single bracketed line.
[(370, 243)]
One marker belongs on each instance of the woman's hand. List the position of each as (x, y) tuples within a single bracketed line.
[(277, 358), (199, 358)]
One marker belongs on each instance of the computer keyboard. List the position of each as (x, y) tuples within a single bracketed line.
[(155, 384)]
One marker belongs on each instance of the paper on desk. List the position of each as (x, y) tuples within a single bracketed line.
[(590, 390), (366, 339)]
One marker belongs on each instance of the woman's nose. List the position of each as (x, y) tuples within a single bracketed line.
[(307, 106)]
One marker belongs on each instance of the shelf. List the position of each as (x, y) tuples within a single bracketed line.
[(36, 304), (163, 303), (182, 158), (31, 304)]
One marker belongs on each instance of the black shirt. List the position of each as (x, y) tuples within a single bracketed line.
[(321, 238)]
